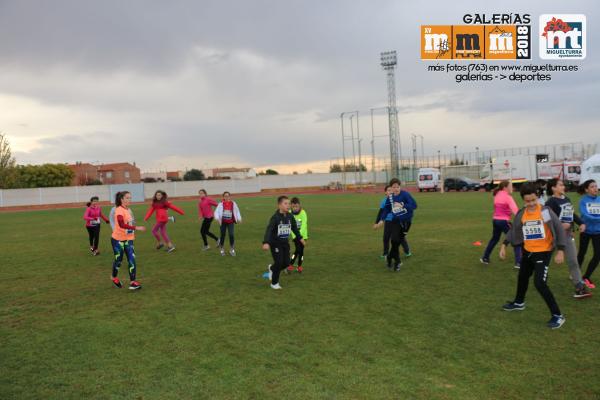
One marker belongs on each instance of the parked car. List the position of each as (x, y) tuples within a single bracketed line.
[(462, 184)]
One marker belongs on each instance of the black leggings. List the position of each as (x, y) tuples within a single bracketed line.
[(94, 234), (227, 228), (398, 237), (205, 230), (298, 253), (584, 241), (387, 235), (281, 256), (536, 263)]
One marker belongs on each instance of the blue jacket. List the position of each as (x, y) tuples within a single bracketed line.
[(385, 217), (589, 208), (400, 207)]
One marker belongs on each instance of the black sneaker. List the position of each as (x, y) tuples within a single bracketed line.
[(484, 261), (556, 321), (397, 267), (512, 306), (582, 292), (159, 246)]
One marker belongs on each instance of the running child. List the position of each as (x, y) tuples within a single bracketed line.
[(92, 216), (539, 231), (386, 222), (227, 215), (161, 205), (122, 240), (589, 207), (206, 214), (401, 205), (302, 223), (280, 226), (504, 208), (561, 205)]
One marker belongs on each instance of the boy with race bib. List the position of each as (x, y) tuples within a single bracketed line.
[(589, 207), (302, 222), (401, 205), (539, 231), (281, 225)]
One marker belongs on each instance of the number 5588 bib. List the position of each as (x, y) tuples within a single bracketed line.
[(534, 230)]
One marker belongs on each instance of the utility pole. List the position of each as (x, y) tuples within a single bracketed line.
[(388, 63)]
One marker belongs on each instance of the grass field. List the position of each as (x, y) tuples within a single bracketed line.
[(206, 326)]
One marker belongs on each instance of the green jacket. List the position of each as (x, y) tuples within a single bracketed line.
[(302, 222)]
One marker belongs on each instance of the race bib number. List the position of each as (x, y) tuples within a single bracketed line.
[(534, 230), (593, 208), (227, 214), (566, 213), (398, 208), (284, 230), (131, 223), (95, 222), (299, 223)]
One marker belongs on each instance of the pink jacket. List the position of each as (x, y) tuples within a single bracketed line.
[(205, 206), (504, 206), (93, 215)]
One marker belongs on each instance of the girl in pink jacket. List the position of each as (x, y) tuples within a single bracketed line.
[(504, 208), (206, 214), (92, 216)]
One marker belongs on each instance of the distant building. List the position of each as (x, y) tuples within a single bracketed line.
[(119, 173), (154, 176), (232, 173), (175, 175), (85, 173)]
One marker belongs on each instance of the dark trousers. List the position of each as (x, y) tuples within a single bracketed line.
[(536, 264), (403, 241), (205, 230), (584, 242), (397, 236), (500, 226), (94, 235), (227, 228), (387, 235), (121, 248), (281, 256), (298, 253)]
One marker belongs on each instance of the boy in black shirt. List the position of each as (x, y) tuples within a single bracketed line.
[(281, 225)]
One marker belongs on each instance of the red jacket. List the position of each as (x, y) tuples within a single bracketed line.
[(161, 209)]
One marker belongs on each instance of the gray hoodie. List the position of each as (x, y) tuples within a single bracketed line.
[(515, 234)]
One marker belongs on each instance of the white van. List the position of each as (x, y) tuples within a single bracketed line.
[(428, 179)]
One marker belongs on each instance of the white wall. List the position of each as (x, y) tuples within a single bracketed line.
[(82, 194)]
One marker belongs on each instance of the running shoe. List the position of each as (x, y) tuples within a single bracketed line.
[(172, 218), (117, 282), (223, 252), (170, 249), (232, 252), (300, 269), (207, 247), (409, 254), (270, 272), (383, 256), (582, 293), (556, 321), (290, 268), (96, 253), (135, 285), (588, 282), (512, 306), (397, 267), (517, 266), (92, 250), (159, 246), (276, 286), (484, 261)]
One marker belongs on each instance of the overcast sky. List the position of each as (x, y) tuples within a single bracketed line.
[(182, 84)]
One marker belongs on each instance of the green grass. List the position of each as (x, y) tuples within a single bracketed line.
[(209, 327)]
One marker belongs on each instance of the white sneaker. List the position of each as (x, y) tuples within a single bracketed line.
[(276, 286), (223, 252), (207, 247), (270, 272), (172, 218), (232, 252)]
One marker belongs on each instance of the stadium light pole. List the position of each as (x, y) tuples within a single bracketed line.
[(346, 138), (455, 155), (388, 63)]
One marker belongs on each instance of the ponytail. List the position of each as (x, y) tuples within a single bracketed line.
[(119, 198), (92, 199), (502, 185)]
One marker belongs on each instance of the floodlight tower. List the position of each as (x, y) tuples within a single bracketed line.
[(388, 62)]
